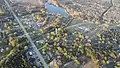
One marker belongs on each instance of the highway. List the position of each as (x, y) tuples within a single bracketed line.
[(27, 35)]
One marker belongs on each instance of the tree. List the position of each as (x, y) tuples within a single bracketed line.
[(15, 58)]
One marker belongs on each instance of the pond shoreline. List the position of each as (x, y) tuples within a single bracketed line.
[(52, 8)]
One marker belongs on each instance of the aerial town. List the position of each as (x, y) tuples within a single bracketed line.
[(59, 33)]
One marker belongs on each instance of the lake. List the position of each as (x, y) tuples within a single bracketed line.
[(54, 9)]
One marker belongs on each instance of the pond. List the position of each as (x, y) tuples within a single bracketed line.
[(54, 9)]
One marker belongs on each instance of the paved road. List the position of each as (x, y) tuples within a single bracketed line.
[(33, 45), (76, 25), (97, 28)]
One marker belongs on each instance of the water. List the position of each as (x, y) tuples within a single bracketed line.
[(1, 2), (57, 10)]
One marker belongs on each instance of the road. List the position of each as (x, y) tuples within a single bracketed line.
[(33, 45)]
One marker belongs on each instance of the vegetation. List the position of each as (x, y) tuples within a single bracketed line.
[(16, 57), (1, 12), (72, 46)]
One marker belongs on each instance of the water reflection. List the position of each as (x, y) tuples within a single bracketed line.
[(54, 9)]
